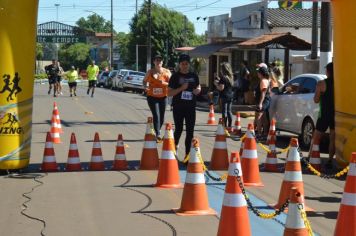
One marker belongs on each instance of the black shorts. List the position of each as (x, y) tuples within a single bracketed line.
[(323, 123), (92, 83), (72, 84), (52, 80)]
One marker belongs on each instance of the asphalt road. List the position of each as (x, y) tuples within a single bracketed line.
[(124, 203)]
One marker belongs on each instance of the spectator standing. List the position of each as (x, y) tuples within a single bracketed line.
[(184, 86), (92, 71), (262, 94), (52, 72), (224, 84), (157, 91), (324, 95), (72, 76)]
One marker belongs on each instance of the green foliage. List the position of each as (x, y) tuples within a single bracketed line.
[(94, 23), (170, 29), (103, 65), (196, 64), (41, 76), (39, 51), (74, 54)]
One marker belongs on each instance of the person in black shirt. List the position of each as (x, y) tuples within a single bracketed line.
[(224, 84), (52, 72), (324, 95), (184, 87)]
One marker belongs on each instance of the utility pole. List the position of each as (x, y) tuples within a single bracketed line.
[(149, 46), (112, 38), (57, 6), (325, 36), (314, 49)]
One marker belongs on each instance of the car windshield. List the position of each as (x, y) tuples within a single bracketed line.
[(123, 72), (105, 73), (137, 73)]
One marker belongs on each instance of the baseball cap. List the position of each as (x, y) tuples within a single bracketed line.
[(184, 57), (264, 65)]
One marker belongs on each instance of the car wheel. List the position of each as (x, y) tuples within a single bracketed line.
[(307, 133)]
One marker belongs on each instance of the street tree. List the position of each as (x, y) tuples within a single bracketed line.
[(170, 29), (94, 23), (74, 54)]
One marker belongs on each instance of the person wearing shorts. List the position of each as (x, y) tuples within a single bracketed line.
[(92, 71), (52, 72), (324, 95), (72, 76)]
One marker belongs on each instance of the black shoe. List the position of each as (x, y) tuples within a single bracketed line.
[(88, 91), (71, 95), (92, 95), (49, 92), (54, 95), (75, 94)]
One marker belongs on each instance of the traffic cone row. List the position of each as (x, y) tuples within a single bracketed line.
[(219, 157)]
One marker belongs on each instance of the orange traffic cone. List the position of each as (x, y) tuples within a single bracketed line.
[(345, 224), (55, 113), (272, 130), (73, 163), (315, 155), (249, 160), (271, 160), (97, 161), (295, 224), (211, 119), (219, 157), (195, 197), (292, 174), (237, 128), (234, 208), (55, 130), (149, 157), (168, 172), (49, 157), (120, 162)]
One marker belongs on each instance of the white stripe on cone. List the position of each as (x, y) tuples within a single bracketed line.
[(168, 155), (49, 145), (220, 145), (314, 160), (271, 160), (120, 157), (195, 178), (352, 169), (150, 145), (252, 154), (96, 145), (294, 220), (315, 148), (234, 200), (293, 154), (233, 167), (220, 130), (73, 160), (349, 199), (73, 146), (293, 176), (193, 156), (96, 159), (55, 135), (49, 159)]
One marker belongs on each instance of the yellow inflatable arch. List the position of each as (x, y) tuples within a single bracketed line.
[(17, 54)]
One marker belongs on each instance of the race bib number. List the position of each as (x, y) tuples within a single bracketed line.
[(186, 95), (157, 91)]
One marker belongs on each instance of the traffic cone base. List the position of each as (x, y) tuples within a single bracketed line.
[(234, 222), (218, 160)]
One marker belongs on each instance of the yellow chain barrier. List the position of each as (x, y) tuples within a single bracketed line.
[(305, 219), (264, 147), (186, 158), (227, 133), (285, 150), (222, 177), (318, 173)]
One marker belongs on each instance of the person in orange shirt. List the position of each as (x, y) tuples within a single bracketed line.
[(156, 84)]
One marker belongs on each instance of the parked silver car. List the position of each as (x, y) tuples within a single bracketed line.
[(112, 76), (117, 79), (132, 80), (294, 108), (102, 77)]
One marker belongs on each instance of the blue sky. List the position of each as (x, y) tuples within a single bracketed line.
[(69, 11)]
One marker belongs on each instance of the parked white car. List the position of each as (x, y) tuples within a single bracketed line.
[(118, 78), (294, 108), (132, 80)]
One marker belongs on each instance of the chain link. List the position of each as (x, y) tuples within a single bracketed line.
[(318, 173), (303, 215), (220, 178), (254, 209)]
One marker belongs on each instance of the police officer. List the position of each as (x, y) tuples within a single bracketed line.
[(184, 87)]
